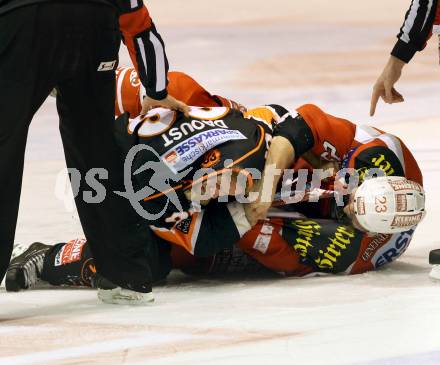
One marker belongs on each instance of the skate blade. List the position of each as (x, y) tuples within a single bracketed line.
[(435, 273), (125, 297)]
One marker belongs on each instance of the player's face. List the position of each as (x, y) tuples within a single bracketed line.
[(349, 212)]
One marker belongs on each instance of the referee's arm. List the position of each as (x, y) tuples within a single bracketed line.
[(416, 29), (145, 46)]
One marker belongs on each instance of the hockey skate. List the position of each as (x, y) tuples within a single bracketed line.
[(434, 260), (110, 293), (25, 269)]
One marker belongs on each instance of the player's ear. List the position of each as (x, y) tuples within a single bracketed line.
[(124, 139)]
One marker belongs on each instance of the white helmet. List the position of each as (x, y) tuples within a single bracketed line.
[(389, 204)]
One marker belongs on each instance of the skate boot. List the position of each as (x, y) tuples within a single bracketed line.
[(25, 269), (112, 294), (434, 260)]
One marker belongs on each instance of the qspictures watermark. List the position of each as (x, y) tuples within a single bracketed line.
[(154, 178)]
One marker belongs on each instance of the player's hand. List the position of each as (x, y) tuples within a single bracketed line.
[(258, 209), (330, 168), (384, 86), (281, 155), (169, 102)]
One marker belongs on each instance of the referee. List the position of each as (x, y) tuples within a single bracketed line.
[(421, 20), (73, 46)]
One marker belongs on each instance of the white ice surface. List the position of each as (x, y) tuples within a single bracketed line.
[(287, 52)]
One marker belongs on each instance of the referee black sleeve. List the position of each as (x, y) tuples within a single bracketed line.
[(416, 29), (146, 47), (152, 63)]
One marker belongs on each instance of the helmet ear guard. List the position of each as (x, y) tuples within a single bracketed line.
[(389, 204)]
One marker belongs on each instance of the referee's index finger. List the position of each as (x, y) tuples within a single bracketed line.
[(374, 99)]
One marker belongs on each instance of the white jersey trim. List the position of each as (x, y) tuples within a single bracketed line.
[(141, 46), (365, 134), (409, 22), (160, 63)]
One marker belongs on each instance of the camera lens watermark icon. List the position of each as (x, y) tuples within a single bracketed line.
[(160, 182)]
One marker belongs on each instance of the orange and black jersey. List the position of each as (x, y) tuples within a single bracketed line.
[(421, 20), (217, 225), (281, 244), (306, 245), (317, 241), (170, 151), (130, 93), (354, 146)]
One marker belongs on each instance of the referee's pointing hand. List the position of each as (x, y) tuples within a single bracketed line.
[(384, 86)]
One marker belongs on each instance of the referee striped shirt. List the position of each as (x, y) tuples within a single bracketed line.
[(416, 29)]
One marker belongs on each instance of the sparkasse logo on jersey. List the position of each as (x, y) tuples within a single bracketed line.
[(171, 157), (188, 151)]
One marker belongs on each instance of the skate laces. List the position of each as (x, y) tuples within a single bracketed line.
[(33, 268)]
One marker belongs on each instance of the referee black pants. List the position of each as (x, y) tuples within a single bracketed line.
[(63, 45)]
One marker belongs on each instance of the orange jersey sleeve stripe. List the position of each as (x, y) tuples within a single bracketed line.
[(132, 24), (261, 114), (183, 87), (326, 128), (130, 93)]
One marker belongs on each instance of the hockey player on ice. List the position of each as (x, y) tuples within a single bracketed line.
[(318, 237)]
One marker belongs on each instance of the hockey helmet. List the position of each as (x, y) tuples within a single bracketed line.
[(389, 204)]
